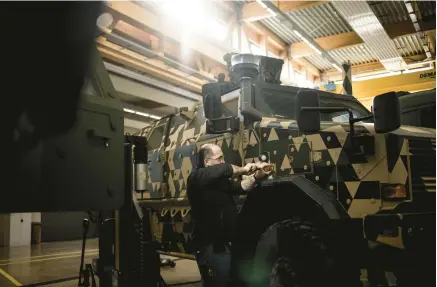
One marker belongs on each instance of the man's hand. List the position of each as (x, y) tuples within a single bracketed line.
[(248, 168), (261, 172)]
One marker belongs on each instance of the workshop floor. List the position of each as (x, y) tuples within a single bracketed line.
[(59, 261), (21, 266)]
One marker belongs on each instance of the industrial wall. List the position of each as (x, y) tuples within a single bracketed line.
[(365, 90), (62, 226)]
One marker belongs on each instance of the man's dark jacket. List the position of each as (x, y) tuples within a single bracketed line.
[(210, 191)]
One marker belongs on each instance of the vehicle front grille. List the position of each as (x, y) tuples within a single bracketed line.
[(423, 164)]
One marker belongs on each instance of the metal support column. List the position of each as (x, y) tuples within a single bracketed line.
[(347, 78)]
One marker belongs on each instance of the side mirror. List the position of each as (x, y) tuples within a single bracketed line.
[(308, 121), (386, 112), (212, 102)]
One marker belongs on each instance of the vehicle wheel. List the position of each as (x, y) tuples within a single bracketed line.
[(292, 254), (418, 275)]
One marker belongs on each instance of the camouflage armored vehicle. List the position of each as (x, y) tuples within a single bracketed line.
[(350, 190)]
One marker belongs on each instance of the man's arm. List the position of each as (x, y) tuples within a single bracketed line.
[(249, 182), (207, 175)]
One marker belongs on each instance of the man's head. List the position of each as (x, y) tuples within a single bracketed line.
[(210, 154)]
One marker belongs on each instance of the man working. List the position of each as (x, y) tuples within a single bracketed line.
[(210, 191)]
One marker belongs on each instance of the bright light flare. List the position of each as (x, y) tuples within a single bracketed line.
[(192, 16)]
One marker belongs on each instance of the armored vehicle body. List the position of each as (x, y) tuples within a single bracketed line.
[(349, 190)]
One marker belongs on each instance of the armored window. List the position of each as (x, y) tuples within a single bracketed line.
[(427, 117), (155, 137), (91, 88), (341, 118), (231, 106), (411, 117)]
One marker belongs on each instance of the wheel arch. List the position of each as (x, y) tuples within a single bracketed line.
[(275, 201)]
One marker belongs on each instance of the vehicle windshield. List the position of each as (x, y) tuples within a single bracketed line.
[(279, 104)]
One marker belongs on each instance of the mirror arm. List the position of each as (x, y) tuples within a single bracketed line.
[(363, 118)]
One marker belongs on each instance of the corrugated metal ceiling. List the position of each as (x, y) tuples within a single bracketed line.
[(281, 30), (427, 8), (389, 12), (358, 54), (319, 62), (319, 21), (409, 45)]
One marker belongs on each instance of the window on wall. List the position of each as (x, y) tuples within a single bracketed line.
[(300, 79), (271, 55), (256, 50)]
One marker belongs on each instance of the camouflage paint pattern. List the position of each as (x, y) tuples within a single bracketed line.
[(323, 158)]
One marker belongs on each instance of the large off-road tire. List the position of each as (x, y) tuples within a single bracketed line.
[(417, 274), (293, 254)]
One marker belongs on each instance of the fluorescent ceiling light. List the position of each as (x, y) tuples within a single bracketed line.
[(141, 114), (271, 11), (377, 76), (421, 63), (298, 34), (129, 111), (416, 70), (154, 117), (337, 67), (261, 3), (315, 49), (383, 75)]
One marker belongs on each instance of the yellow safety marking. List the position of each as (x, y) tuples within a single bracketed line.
[(47, 255), (10, 278), (47, 259)]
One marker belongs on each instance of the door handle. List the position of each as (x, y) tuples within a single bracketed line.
[(99, 134)]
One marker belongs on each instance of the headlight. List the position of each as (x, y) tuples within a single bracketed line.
[(394, 192)]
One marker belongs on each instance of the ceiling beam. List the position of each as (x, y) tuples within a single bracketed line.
[(273, 39), (134, 124), (141, 18), (289, 23), (150, 81), (138, 62), (395, 30), (168, 49), (253, 11), (301, 49), (343, 40), (142, 91), (256, 30)]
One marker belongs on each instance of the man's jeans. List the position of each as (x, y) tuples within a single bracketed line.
[(214, 265)]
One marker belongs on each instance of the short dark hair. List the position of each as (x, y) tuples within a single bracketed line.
[(204, 153)]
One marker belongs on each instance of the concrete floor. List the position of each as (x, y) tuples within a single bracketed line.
[(20, 266), (55, 260)]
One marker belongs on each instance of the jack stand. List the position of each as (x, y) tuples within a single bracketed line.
[(86, 272)]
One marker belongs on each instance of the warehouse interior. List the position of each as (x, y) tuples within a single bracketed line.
[(159, 55)]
